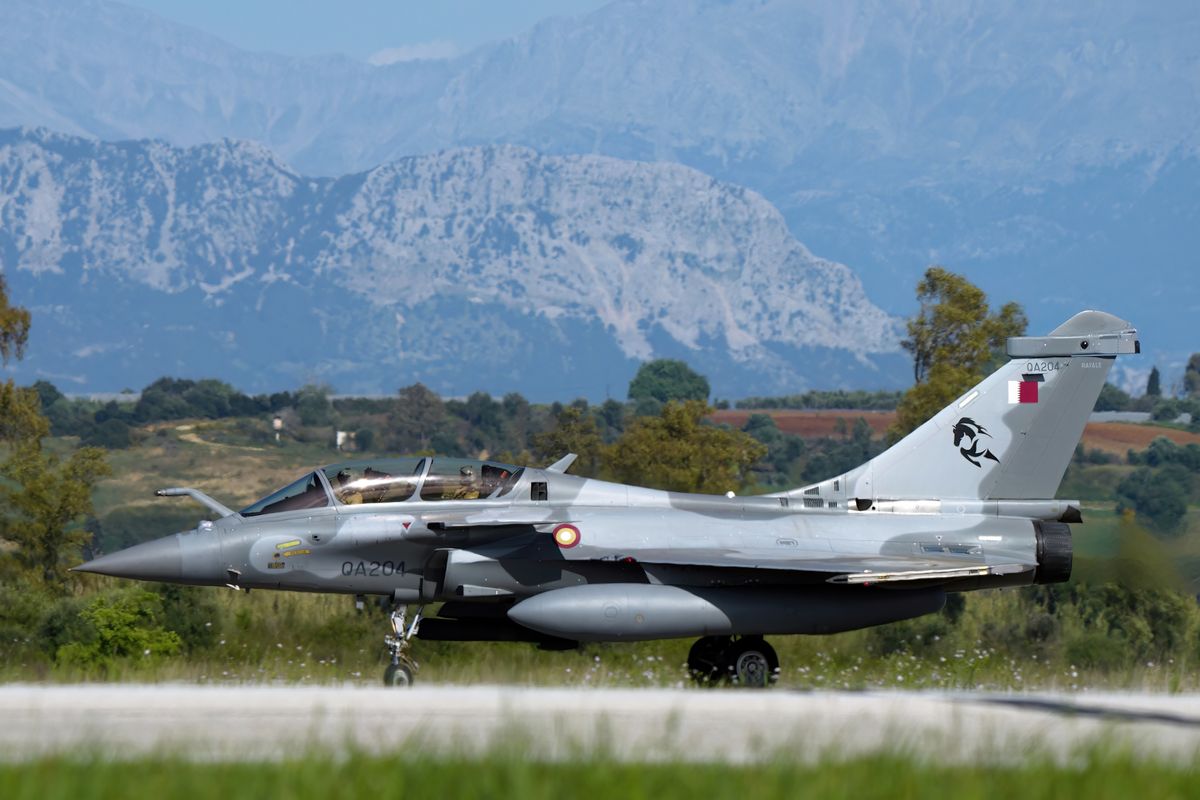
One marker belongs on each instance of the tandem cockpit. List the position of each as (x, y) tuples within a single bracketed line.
[(391, 480)]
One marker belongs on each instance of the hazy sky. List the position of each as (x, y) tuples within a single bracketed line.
[(386, 29)]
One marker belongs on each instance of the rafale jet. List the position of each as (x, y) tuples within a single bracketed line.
[(531, 554)]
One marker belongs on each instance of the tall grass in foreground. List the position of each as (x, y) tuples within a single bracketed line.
[(1095, 776), (994, 643)]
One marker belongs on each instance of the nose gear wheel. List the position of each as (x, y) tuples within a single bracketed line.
[(402, 667)]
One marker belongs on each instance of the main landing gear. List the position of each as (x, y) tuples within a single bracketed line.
[(743, 661), (400, 671)]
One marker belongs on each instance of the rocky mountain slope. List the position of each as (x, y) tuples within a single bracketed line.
[(486, 267)]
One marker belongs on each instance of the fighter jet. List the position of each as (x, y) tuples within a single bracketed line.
[(510, 553)]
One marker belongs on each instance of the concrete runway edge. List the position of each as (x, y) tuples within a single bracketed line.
[(277, 722)]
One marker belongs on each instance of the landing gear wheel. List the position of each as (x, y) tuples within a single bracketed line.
[(751, 662), (705, 662), (400, 671), (397, 675)]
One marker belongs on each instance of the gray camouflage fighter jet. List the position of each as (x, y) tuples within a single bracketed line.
[(536, 555)]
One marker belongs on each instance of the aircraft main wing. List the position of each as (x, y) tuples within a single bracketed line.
[(840, 568)]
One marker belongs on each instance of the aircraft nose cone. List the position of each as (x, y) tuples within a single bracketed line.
[(157, 560)]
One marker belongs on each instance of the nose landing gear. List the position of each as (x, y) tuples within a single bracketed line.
[(400, 671), (745, 661)]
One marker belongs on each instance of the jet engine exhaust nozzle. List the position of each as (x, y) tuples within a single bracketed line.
[(1053, 552)]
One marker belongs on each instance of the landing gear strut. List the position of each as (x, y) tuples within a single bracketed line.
[(400, 671), (745, 661)]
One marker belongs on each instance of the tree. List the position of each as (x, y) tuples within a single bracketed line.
[(783, 450), (517, 419), (1191, 376), (484, 418), (163, 400), (210, 398), (47, 506), (21, 417), (313, 406), (954, 339), (20, 409), (1112, 399), (666, 379), (680, 451), (574, 431), (1157, 495), (14, 327), (43, 498), (834, 456), (418, 416), (612, 419), (48, 394), (111, 434), (762, 428), (1154, 384)]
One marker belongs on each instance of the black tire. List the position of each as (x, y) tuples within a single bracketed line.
[(751, 662), (397, 675), (706, 663)]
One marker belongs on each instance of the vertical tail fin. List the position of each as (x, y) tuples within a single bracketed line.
[(1012, 436)]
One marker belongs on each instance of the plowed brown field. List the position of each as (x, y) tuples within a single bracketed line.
[(1118, 437), (1112, 437)]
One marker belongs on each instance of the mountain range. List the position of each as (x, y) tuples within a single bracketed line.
[(1048, 151), (491, 266), (995, 87)]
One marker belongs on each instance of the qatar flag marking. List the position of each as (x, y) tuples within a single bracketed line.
[(1024, 390)]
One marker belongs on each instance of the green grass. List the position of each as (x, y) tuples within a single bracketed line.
[(1094, 776), (269, 637)]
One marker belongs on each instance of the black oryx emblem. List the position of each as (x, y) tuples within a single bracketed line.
[(966, 438)]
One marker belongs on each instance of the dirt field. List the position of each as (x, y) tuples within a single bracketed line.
[(1112, 437), (1118, 437)]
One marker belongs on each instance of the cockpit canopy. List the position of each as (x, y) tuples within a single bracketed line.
[(308, 492), (391, 480)]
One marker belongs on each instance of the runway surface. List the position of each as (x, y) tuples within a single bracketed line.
[(273, 722)]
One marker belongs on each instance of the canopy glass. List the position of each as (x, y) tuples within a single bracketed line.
[(392, 480)]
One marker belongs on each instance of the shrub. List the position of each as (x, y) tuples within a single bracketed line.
[(191, 613), (121, 625), (667, 379), (1093, 649), (1157, 495), (111, 434)]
